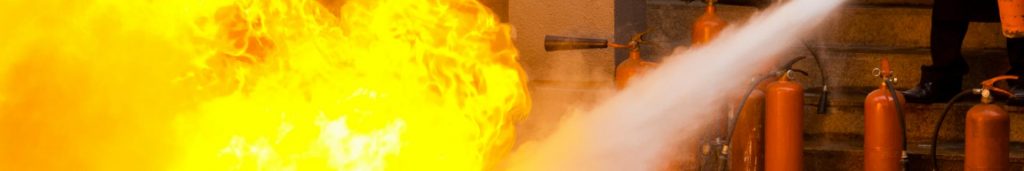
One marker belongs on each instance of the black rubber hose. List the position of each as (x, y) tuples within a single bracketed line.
[(903, 121), (743, 103), (789, 65), (935, 132), (823, 99)]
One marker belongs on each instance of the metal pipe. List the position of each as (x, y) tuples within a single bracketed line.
[(555, 43)]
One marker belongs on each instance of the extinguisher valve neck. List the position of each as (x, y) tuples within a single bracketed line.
[(785, 75), (986, 96)]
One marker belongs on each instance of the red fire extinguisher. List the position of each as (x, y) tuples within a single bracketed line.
[(746, 141), (625, 71), (707, 26), (988, 131), (1011, 15), (746, 148), (884, 143), (784, 102), (632, 66)]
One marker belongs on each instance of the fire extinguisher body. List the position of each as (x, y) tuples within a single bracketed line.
[(882, 133), (1011, 14), (784, 102), (707, 26), (631, 67), (748, 140), (988, 138)]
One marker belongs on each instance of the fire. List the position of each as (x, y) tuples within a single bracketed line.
[(256, 85)]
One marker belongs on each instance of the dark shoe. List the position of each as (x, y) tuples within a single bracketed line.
[(1018, 96), (935, 86), (1017, 91)]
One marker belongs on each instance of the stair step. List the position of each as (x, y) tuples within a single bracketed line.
[(903, 3), (897, 27), (847, 153), (906, 3), (851, 26), (849, 67), (845, 116)]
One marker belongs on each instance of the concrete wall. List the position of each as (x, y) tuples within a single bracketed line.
[(561, 79), (500, 8), (564, 80), (533, 19), (630, 19)]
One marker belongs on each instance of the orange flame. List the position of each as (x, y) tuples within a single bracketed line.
[(256, 85)]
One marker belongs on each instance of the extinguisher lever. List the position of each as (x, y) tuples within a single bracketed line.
[(1001, 91), (789, 65), (990, 84), (802, 72)]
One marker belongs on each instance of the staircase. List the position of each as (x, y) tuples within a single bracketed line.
[(851, 43)]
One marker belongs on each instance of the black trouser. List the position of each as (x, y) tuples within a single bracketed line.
[(950, 19)]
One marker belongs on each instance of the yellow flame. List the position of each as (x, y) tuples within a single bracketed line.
[(256, 85)]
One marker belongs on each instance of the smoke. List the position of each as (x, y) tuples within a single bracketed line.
[(641, 126), (563, 85)]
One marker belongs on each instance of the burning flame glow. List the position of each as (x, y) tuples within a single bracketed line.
[(256, 85)]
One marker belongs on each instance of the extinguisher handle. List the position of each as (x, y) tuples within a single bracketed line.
[(990, 84), (802, 72), (1001, 91), (789, 64), (638, 38)]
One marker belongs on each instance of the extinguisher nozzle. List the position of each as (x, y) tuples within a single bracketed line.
[(823, 100), (554, 43)]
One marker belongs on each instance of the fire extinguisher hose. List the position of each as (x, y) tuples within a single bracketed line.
[(935, 132), (823, 99), (903, 122), (743, 102)]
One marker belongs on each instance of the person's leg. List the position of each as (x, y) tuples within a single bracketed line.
[(943, 79), (1015, 55), (947, 37), (1014, 52)]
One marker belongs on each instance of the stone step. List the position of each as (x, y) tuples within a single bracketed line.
[(849, 88), (847, 153), (902, 3), (845, 116), (896, 27), (849, 67), (851, 26)]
